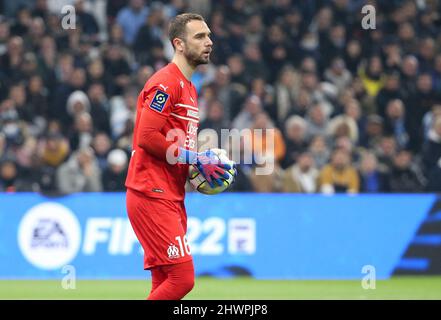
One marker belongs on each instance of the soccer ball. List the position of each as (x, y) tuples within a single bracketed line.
[(200, 184)]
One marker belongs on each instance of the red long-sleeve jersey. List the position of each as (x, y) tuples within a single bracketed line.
[(167, 116)]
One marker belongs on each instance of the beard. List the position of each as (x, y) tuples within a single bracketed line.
[(194, 59)]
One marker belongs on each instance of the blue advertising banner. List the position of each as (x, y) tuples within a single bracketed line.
[(267, 236)]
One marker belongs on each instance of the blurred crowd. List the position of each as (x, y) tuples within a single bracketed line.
[(349, 109)]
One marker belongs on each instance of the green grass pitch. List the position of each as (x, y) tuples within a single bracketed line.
[(235, 289)]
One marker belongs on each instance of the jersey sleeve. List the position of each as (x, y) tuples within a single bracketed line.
[(160, 96), (158, 101)]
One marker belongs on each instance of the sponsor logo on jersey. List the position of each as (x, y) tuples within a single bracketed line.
[(173, 252), (163, 87), (159, 101)]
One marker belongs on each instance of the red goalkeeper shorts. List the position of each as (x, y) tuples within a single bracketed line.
[(160, 226)]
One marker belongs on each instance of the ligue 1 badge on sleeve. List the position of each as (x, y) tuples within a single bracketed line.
[(159, 100)]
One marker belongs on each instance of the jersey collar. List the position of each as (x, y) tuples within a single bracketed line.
[(174, 66)]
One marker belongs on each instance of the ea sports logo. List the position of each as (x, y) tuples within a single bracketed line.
[(49, 236)]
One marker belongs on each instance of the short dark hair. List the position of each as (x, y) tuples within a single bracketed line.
[(178, 24)]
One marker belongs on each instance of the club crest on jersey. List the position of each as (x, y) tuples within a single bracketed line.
[(173, 252), (159, 101)]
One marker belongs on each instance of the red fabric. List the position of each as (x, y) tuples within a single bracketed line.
[(178, 282), (158, 277), (150, 137), (160, 226), (149, 172)]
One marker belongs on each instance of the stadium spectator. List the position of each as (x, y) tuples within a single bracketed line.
[(246, 117), (215, 120), (267, 140), (372, 76), (437, 74), (25, 156), (266, 176), (409, 72), (352, 110), (301, 177), (11, 60), (118, 69), (149, 35), (404, 178), (398, 124), (432, 147), (286, 90), (122, 109), (408, 41), (253, 62), (303, 103), (316, 121), (113, 8), (265, 92), (342, 126), (139, 79), (319, 151), (37, 97), (353, 56), (96, 73), (434, 178), (62, 108), (80, 173), (373, 132), (23, 21), (131, 18), (47, 61), (82, 134), (339, 176), (420, 102), (276, 49), (99, 107), (372, 180), (53, 151), (346, 144), (429, 119), (114, 176), (124, 141), (295, 137), (101, 145), (86, 21), (338, 75), (426, 53), (10, 124), (390, 91), (17, 94), (40, 9), (10, 180)]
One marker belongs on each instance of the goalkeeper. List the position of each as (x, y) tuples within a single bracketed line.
[(164, 144)]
